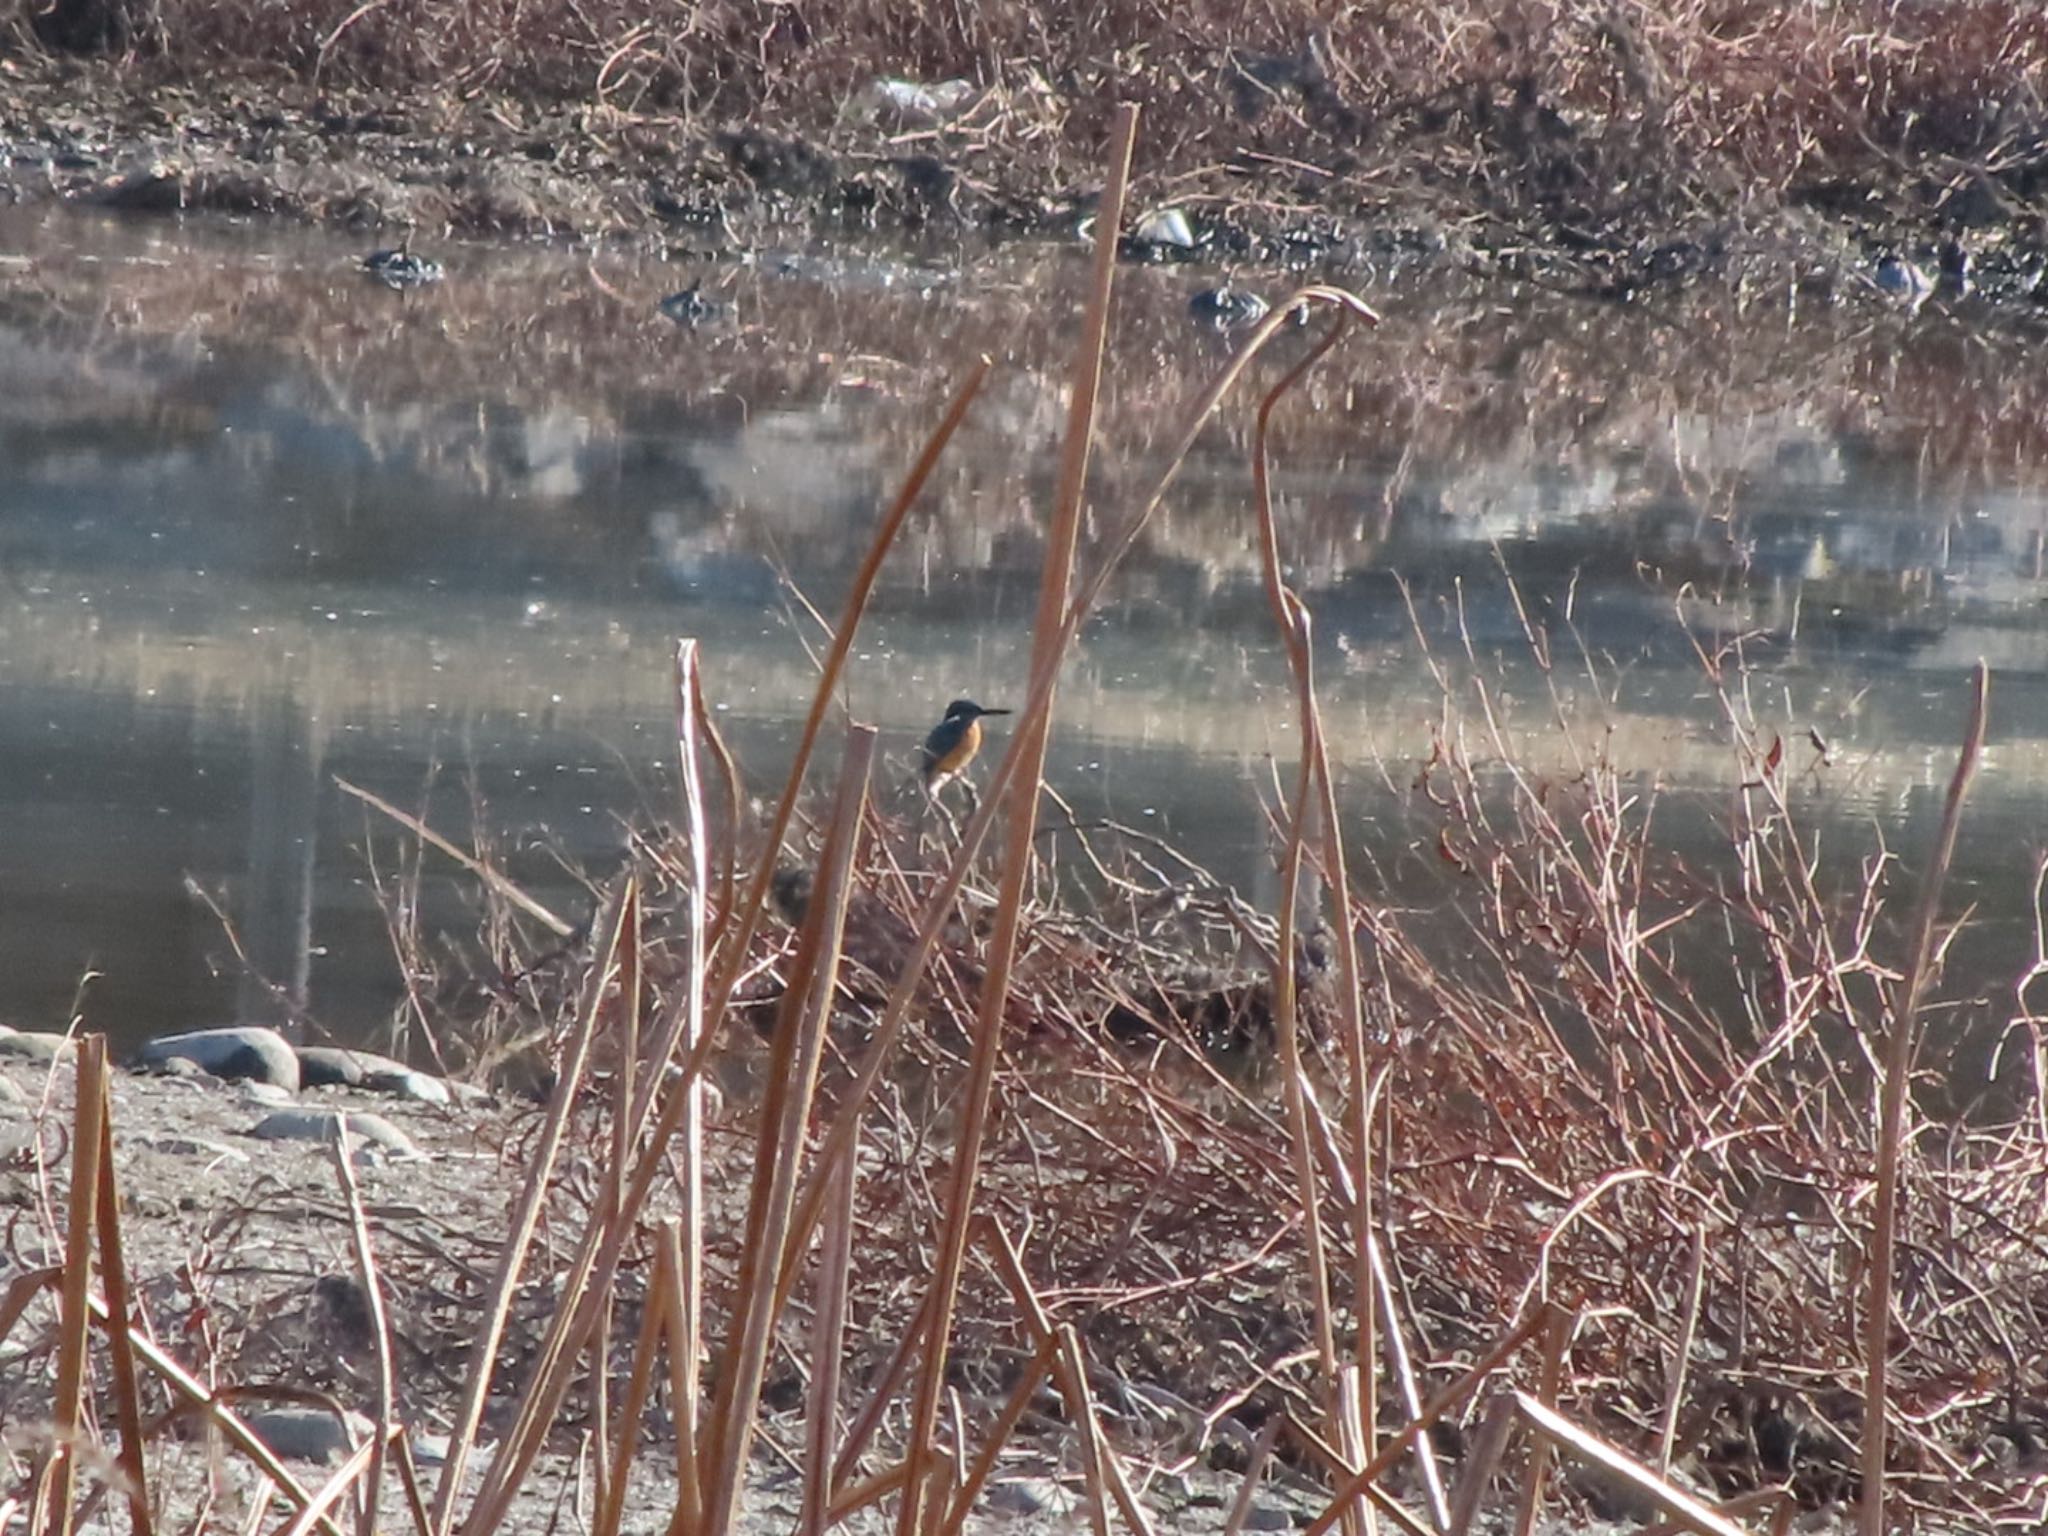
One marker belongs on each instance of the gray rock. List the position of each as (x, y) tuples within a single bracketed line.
[(333, 1066), (324, 1125), (35, 1045), (236, 1053), (308, 1434), (322, 1066), (420, 1087), (1265, 1516), (265, 1093)]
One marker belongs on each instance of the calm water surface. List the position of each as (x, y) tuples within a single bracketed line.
[(263, 524)]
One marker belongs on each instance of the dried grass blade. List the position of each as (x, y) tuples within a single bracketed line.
[(491, 877), (56, 1482), (647, 1352), (1292, 618), (734, 953), (1488, 1447), (1010, 1265), (1441, 1403), (1891, 1130), (785, 1118), (329, 1493), (1404, 1377), (684, 1242), (828, 1348), (512, 1260), (1548, 1380), (114, 1267), (380, 1322), (1255, 1468), (684, 1339), (1014, 1408), (1667, 1496), (1073, 1376), (238, 1433), (1027, 752)]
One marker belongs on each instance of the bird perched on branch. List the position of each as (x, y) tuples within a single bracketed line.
[(952, 744)]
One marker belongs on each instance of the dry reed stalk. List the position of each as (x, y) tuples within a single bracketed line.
[(1404, 1378), (733, 953), (1341, 1466), (1255, 1468), (1756, 1501), (512, 1259), (1488, 1446), (56, 1481), (1010, 1265), (1441, 1403), (1891, 1129), (939, 904), (1298, 1091), (611, 1202), (1292, 617), (114, 1270), (881, 1393), (647, 1354), (828, 1347), (1073, 1377), (1027, 750), (409, 1481), (1681, 1366), (338, 1484), (869, 1490), (1014, 1408), (1349, 1423), (683, 1314), (686, 1331), (785, 1118), (380, 1322), (1640, 1480), (196, 1396), (1549, 1378), (490, 876)]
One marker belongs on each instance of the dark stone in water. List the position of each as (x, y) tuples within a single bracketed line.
[(1226, 307), (693, 306), (400, 268)]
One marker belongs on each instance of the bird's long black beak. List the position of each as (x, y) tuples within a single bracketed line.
[(995, 711)]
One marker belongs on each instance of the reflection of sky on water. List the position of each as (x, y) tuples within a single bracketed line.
[(240, 555)]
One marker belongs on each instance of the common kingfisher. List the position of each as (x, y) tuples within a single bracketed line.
[(953, 742)]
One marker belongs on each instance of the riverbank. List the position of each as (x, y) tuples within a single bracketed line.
[(1609, 154)]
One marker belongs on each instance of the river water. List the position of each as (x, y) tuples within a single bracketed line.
[(264, 524)]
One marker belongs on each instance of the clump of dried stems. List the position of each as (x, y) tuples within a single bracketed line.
[(1527, 1175)]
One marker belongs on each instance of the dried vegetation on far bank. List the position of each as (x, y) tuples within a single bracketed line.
[(1580, 126)]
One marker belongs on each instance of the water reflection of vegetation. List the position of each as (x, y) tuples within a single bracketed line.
[(1474, 414)]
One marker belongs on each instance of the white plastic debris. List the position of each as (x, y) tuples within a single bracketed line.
[(917, 101), (1166, 226)]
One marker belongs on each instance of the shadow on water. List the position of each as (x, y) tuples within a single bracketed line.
[(263, 523)]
